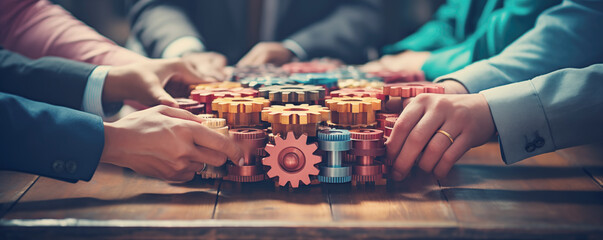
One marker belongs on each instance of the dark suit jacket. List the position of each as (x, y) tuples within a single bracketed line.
[(342, 29), (54, 141)]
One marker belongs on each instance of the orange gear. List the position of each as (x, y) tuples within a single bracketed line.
[(406, 90), (240, 111), (292, 160), (299, 119), (353, 112)]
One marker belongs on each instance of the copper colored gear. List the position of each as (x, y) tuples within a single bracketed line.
[(293, 93), (299, 119), (207, 96), (367, 146), (407, 90), (218, 125), (381, 119), (353, 112), (252, 141), (223, 85), (366, 134), (359, 92), (240, 111), (292, 160), (389, 126), (399, 76), (189, 105)]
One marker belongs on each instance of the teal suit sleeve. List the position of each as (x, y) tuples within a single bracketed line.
[(437, 33), (49, 140), (499, 29), (554, 111), (565, 36)]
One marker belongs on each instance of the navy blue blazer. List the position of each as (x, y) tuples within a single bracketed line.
[(57, 140)]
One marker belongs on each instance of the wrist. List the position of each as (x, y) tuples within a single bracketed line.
[(109, 150)]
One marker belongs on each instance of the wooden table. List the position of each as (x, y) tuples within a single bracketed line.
[(552, 196)]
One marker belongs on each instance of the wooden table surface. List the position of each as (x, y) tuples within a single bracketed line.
[(553, 196)]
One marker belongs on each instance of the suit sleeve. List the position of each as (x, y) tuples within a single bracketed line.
[(157, 23), (347, 33), (435, 34), (52, 80), (37, 28), (563, 37), (49, 140), (550, 112), (500, 29)]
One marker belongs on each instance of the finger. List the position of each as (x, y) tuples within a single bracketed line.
[(182, 177), (417, 139), (181, 114), (187, 73), (437, 146), (218, 61), (406, 101), (207, 138), (247, 59), (263, 59), (194, 166), (158, 95), (212, 157), (452, 154), (406, 121)]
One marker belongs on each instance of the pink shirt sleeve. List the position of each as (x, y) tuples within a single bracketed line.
[(37, 28)]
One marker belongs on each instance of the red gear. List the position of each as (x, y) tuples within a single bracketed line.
[(291, 160), (407, 90), (207, 96)]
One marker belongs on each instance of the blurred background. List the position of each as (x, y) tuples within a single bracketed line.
[(109, 17)]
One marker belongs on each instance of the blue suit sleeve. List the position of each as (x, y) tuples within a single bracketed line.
[(48, 140)]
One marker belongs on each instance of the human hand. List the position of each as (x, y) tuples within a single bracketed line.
[(144, 82), (209, 64), (465, 117), (266, 52), (166, 143), (404, 61)]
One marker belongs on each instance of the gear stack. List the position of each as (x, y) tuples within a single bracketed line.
[(389, 126), (335, 142), (367, 146), (407, 90), (240, 111), (294, 94), (252, 142), (207, 96), (258, 82), (299, 119), (381, 119), (353, 112), (189, 105), (399, 76), (218, 125), (361, 92), (291, 160)]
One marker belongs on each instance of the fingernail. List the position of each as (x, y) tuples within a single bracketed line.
[(241, 161)]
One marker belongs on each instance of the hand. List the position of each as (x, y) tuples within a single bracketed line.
[(453, 87), (267, 52), (144, 82), (407, 60), (166, 143), (465, 117), (209, 64)]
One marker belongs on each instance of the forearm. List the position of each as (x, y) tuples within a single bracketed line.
[(550, 112), (48, 140), (39, 28)]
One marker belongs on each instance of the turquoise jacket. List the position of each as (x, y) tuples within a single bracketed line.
[(465, 31)]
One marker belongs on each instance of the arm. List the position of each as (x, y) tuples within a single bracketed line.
[(48, 140), (500, 29), (157, 24), (37, 28), (550, 112), (437, 33), (564, 36), (353, 27)]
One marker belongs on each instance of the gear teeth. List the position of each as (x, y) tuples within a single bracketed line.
[(334, 179), (334, 135)]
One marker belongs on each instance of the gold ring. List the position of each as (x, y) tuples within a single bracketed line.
[(204, 168), (447, 135)]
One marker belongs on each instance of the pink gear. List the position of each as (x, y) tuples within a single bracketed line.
[(291, 160)]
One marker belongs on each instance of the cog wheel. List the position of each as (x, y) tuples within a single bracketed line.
[(240, 111), (189, 105), (291, 160), (258, 82), (359, 92), (207, 96), (335, 142), (299, 119), (353, 112), (406, 90), (218, 125), (367, 146), (381, 119), (366, 134), (223, 85), (293, 93)]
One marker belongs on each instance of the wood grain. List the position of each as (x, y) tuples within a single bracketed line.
[(115, 193), (12, 186)]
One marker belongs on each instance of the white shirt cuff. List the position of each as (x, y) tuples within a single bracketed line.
[(295, 48), (181, 46), (93, 93)]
